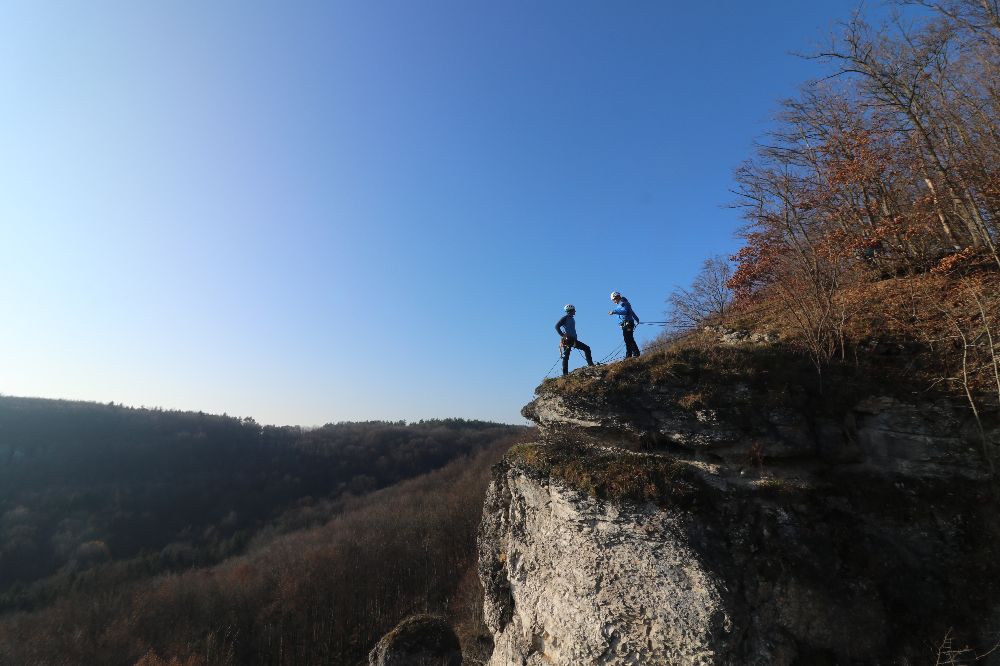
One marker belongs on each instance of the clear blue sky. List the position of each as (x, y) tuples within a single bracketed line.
[(318, 211)]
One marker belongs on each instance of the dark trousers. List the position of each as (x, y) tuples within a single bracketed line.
[(631, 349), (567, 347)]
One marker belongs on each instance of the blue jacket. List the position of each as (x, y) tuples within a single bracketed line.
[(569, 324), (625, 312)]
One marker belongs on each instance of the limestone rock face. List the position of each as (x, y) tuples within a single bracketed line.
[(578, 581), (419, 640), (784, 536)]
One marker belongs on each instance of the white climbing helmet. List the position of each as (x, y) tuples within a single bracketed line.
[(569, 307), (615, 295)]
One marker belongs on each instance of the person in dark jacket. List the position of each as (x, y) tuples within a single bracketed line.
[(627, 319), (566, 328)]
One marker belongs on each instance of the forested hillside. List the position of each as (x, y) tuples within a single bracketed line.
[(317, 596), (92, 496)]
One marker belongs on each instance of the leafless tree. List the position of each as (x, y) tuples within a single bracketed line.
[(707, 299)]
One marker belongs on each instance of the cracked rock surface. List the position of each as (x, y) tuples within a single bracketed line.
[(593, 583)]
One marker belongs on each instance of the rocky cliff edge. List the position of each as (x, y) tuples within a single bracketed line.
[(723, 504)]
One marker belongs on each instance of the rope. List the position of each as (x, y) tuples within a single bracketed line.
[(615, 353), (610, 358)]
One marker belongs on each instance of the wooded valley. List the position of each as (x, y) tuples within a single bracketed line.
[(133, 534)]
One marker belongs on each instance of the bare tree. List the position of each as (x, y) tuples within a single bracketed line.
[(938, 81), (707, 299)]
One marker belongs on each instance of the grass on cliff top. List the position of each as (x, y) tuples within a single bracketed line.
[(620, 476), (775, 375), (682, 361)]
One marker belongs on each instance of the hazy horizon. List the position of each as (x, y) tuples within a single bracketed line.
[(304, 426)]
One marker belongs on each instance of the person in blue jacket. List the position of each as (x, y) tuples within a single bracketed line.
[(566, 328), (627, 319)]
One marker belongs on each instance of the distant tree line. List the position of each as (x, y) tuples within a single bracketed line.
[(92, 495)]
